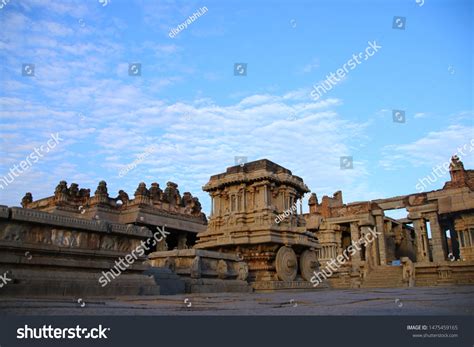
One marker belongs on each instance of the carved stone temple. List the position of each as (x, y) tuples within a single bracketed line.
[(256, 238), (245, 203)]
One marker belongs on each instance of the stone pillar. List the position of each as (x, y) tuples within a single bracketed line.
[(370, 257), (355, 236), (381, 240), (182, 240), (454, 240), (427, 245), (439, 245), (420, 231), (265, 197)]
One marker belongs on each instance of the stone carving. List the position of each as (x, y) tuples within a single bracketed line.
[(459, 176), (61, 188), (191, 204), (102, 189), (162, 246), (142, 195), (182, 241), (122, 196), (171, 194), (196, 267), (196, 210), (123, 244), (456, 163), (95, 211), (170, 263), (93, 241), (13, 233), (101, 195), (74, 191), (313, 200), (72, 239), (408, 271), (156, 194), (27, 199), (57, 237), (85, 193), (64, 238), (107, 243), (245, 201), (222, 269), (308, 264), (286, 264), (41, 235), (243, 271), (187, 201), (142, 190)]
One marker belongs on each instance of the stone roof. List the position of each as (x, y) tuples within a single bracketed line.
[(255, 171)]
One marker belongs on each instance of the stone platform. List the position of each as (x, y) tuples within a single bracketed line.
[(43, 254), (270, 286), (204, 271)]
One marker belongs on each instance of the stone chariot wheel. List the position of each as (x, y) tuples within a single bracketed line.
[(308, 264), (286, 264)]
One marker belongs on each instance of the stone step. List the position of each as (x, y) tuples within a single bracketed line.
[(382, 282), (170, 283), (368, 280), (384, 277)]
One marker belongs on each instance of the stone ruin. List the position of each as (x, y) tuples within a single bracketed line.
[(246, 201), (56, 255), (448, 209), (150, 207), (255, 238)]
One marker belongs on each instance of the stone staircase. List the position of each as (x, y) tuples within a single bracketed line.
[(384, 277), (170, 283)]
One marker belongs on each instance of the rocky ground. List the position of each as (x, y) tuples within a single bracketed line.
[(450, 300)]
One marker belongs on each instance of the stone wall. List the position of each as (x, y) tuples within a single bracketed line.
[(205, 271), (48, 254), (449, 273)]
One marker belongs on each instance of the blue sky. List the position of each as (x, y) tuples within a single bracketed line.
[(188, 103)]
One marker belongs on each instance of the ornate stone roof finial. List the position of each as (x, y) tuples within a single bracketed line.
[(171, 194), (74, 190), (313, 199), (61, 188), (142, 190), (102, 189), (156, 193), (122, 196), (27, 199), (456, 163)]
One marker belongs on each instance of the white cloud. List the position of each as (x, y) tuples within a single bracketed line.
[(434, 148)]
